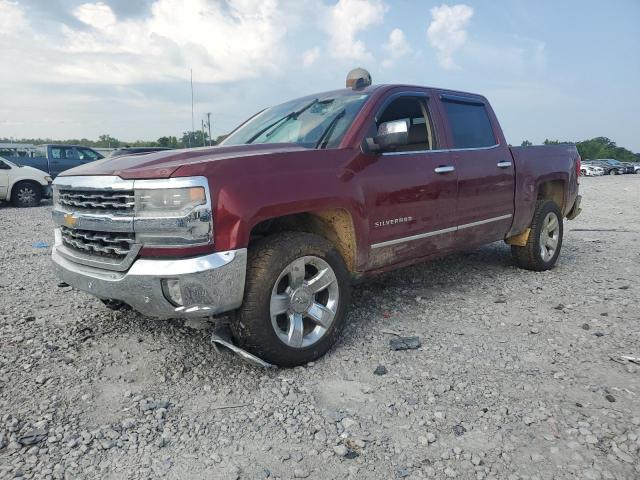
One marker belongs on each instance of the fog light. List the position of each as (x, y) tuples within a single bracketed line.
[(171, 290)]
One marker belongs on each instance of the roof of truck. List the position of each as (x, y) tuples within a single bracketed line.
[(388, 86)]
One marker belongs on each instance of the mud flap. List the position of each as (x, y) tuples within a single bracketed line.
[(575, 210), (222, 336)]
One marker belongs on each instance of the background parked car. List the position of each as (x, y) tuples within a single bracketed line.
[(636, 167), (588, 170), (611, 166), (24, 186), (133, 150), (54, 159)]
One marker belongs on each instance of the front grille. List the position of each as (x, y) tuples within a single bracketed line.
[(102, 200), (105, 244)]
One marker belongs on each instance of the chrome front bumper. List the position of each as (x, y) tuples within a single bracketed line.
[(209, 284)]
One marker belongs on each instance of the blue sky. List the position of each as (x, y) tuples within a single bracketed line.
[(552, 69)]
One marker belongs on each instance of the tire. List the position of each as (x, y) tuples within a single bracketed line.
[(259, 329), (26, 194), (532, 256), (615, 172)]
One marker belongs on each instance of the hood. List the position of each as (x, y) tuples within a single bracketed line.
[(34, 172), (163, 164)]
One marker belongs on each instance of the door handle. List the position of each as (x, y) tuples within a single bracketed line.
[(505, 164), (444, 169)]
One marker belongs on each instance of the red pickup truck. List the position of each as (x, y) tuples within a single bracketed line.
[(273, 225)]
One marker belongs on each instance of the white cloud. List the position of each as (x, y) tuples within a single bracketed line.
[(12, 18), (310, 56), (221, 41), (447, 33), (346, 20), (98, 15), (396, 47)]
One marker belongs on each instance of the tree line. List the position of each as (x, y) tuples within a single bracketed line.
[(599, 147), (188, 139)]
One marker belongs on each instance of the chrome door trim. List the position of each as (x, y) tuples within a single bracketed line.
[(445, 169), (450, 150), (504, 164), (439, 232), (413, 237), (482, 222)]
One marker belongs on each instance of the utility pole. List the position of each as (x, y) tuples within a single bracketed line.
[(209, 125), (193, 125), (204, 135)]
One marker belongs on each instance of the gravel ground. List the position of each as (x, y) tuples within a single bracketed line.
[(519, 375)]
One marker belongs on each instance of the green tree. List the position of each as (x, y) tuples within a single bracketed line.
[(526, 143), (194, 139), (106, 141), (169, 142)]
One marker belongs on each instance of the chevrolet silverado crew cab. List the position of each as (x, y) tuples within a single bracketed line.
[(273, 225)]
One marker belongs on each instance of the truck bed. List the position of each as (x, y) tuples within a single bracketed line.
[(538, 164)]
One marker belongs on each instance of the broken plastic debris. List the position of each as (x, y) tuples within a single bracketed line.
[(40, 245), (405, 343), (222, 336)]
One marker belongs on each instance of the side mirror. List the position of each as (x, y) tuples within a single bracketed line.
[(391, 135)]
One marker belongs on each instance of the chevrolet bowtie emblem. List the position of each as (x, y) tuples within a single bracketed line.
[(69, 220)]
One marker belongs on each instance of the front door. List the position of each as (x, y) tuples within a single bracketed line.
[(485, 172), (410, 193), (4, 179)]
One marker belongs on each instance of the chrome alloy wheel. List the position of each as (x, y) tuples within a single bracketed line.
[(549, 236), (26, 194), (304, 302)]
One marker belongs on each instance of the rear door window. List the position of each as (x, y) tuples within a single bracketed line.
[(469, 123), (63, 153)]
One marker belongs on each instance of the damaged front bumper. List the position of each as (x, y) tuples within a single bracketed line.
[(204, 286)]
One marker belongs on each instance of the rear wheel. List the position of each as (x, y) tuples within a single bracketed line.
[(26, 194), (296, 299), (545, 239)]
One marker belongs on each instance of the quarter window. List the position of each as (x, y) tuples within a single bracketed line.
[(470, 124)]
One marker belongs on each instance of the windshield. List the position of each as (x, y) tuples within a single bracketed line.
[(318, 121), (11, 164)]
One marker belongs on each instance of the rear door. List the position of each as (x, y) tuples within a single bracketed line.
[(485, 203), (411, 192)]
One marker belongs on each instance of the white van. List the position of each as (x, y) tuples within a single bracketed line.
[(24, 186)]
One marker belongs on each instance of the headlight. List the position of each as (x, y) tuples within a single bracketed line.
[(173, 213), (169, 202)]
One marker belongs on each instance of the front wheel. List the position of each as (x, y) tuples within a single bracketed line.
[(26, 194), (545, 239), (296, 299)]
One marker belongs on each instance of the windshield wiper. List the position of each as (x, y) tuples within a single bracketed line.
[(326, 135), (282, 121)]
